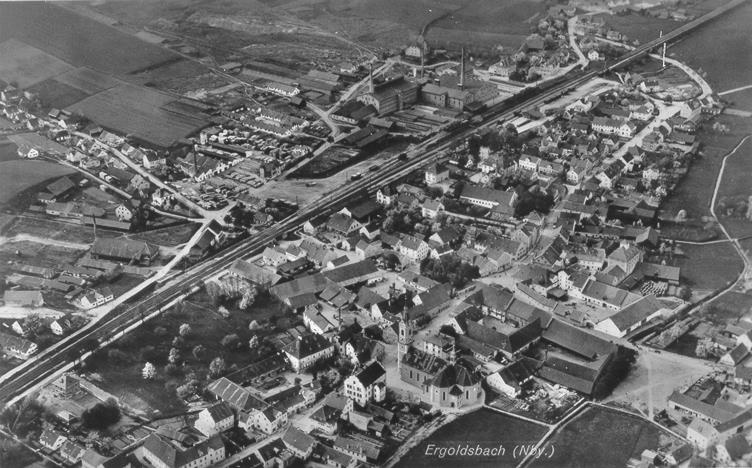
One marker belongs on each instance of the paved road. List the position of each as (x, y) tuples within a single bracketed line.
[(127, 315)]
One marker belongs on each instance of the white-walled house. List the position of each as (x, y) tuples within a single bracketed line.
[(215, 419), (367, 385)]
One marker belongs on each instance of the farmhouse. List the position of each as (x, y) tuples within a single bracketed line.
[(162, 453), (631, 317), (124, 250), (17, 346)]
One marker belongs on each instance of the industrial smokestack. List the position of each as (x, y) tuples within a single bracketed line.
[(370, 80), (462, 69)]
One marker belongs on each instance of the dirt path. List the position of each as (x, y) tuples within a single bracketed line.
[(45, 240)]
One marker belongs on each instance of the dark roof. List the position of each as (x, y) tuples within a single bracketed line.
[(307, 345), (235, 395), (302, 300), (636, 312), (60, 186), (359, 271), (371, 373), (123, 248), (364, 209), (455, 374), (172, 457), (220, 411), (576, 340), (496, 297), (367, 297), (297, 439), (305, 284)]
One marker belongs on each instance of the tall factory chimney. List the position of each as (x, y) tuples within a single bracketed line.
[(462, 69), (370, 80)]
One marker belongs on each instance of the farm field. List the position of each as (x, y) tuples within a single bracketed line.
[(139, 111), (735, 190), (54, 229), (488, 23), (708, 267), (730, 34), (77, 40), (20, 174), (8, 151), (694, 192), (484, 427), (53, 93), (601, 437), (730, 306), (171, 236), (25, 65), (740, 99), (73, 86), (643, 28)]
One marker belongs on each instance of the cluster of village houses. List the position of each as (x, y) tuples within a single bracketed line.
[(584, 264)]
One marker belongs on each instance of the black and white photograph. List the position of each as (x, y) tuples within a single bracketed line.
[(375, 233)]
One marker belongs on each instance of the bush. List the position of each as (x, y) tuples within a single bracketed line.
[(101, 416)]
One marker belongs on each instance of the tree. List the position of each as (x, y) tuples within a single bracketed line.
[(253, 342), (174, 356), (149, 371), (248, 298), (187, 389), (217, 367), (185, 330), (199, 352), (101, 416), (230, 341), (32, 323), (23, 417)]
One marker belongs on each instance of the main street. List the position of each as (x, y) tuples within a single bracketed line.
[(182, 284)]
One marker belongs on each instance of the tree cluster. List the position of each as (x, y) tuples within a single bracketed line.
[(449, 268), (101, 416)]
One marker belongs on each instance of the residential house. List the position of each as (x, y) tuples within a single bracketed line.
[(162, 453), (360, 449), (413, 248), (298, 442), (51, 440), (215, 419), (436, 174), (511, 379), (16, 346), (369, 384), (306, 350), (71, 452), (431, 208), (268, 420)]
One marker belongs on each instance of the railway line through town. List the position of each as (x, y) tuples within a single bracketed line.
[(150, 301)]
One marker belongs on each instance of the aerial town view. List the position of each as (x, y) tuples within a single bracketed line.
[(376, 233)]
